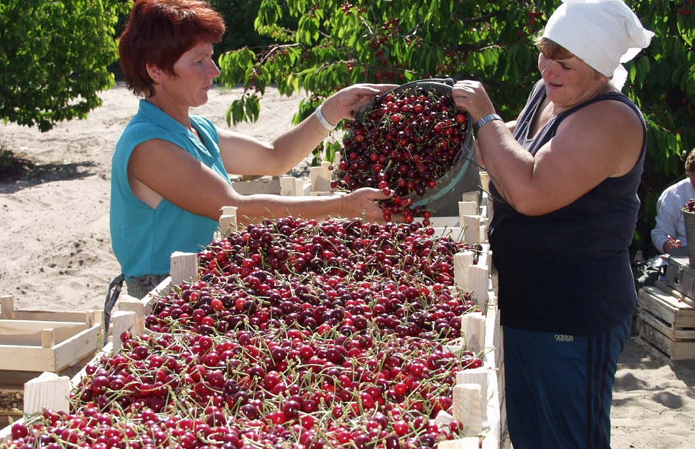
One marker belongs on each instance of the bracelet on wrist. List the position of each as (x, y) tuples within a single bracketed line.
[(323, 121), (484, 121)]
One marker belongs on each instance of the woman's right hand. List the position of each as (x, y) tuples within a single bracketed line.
[(362, 204), (471, 96), (341, 104)]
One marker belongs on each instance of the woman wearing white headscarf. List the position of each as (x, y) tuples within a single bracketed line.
[(564, 181)]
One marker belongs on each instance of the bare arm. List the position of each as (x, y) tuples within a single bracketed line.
[(600, 141), (160, 169), (511, 126), (245, 155)]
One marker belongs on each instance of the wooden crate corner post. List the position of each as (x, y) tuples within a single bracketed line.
[(327, 171), (6, 307), (123, 321), (471, 225), (471, 277), (485, 181), (473, 331), (472, 196), (320, 178), (291, 186), (138, 308), (486, 200), (477, 376), (467, 407), (462, 263), (228, 221), (184, 267), (288, 186), (467, 208), (49, 391)]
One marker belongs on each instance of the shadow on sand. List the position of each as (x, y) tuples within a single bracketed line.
[(23, 173)]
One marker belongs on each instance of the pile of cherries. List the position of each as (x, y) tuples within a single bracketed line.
[(403, 144), (298, 334)]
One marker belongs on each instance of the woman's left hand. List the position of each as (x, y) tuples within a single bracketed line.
[(340, 105)]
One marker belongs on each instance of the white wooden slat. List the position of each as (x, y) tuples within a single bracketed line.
[(288, 186), (467, 409), (477, 376), (49, 391), (467, 208), (471, 228), (463, 262), (76, 348), (473, 331), (6, 307), (462, 443), (473, 196), (184, 267)]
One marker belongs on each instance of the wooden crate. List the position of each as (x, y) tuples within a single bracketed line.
[(285, 185), (39, 340), (264, 184), (665, 323), (680, 276), (484, 385), (489, 418), (23, 392), (679, 295)]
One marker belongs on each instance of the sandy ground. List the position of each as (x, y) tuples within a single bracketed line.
[(55, 250)]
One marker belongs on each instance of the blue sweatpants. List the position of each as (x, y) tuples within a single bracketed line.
[(558, 388)]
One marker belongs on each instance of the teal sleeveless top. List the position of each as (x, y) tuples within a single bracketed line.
[(143, 238)]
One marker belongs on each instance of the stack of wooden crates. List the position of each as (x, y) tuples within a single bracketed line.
[(35, 341), (665, 319)]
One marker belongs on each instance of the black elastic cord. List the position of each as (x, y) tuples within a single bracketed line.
[(112, 295)]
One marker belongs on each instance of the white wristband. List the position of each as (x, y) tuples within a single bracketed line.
[(323, 121)]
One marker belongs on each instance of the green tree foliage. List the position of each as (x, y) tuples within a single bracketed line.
[(239, 16), (336, 43), (54, 58), (663, 84)]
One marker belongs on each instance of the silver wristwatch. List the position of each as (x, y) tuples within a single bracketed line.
[(484, 121)]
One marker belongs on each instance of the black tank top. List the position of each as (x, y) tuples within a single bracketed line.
[(568, 271)]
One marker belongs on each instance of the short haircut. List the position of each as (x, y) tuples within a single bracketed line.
[(553, 50), (690, 162), (159, 32)]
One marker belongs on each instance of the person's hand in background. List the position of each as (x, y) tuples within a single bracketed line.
[(671, 244)]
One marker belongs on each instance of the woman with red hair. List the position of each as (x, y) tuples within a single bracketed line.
[(169, 175)]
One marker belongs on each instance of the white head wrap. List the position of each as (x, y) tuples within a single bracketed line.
[(603, 33)]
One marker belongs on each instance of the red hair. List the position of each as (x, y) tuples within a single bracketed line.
[(553, 50), (159, 32)]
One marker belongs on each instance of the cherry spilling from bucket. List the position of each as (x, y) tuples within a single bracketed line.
[(403, 143)]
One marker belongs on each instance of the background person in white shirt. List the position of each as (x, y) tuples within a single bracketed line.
[(669, 232)]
